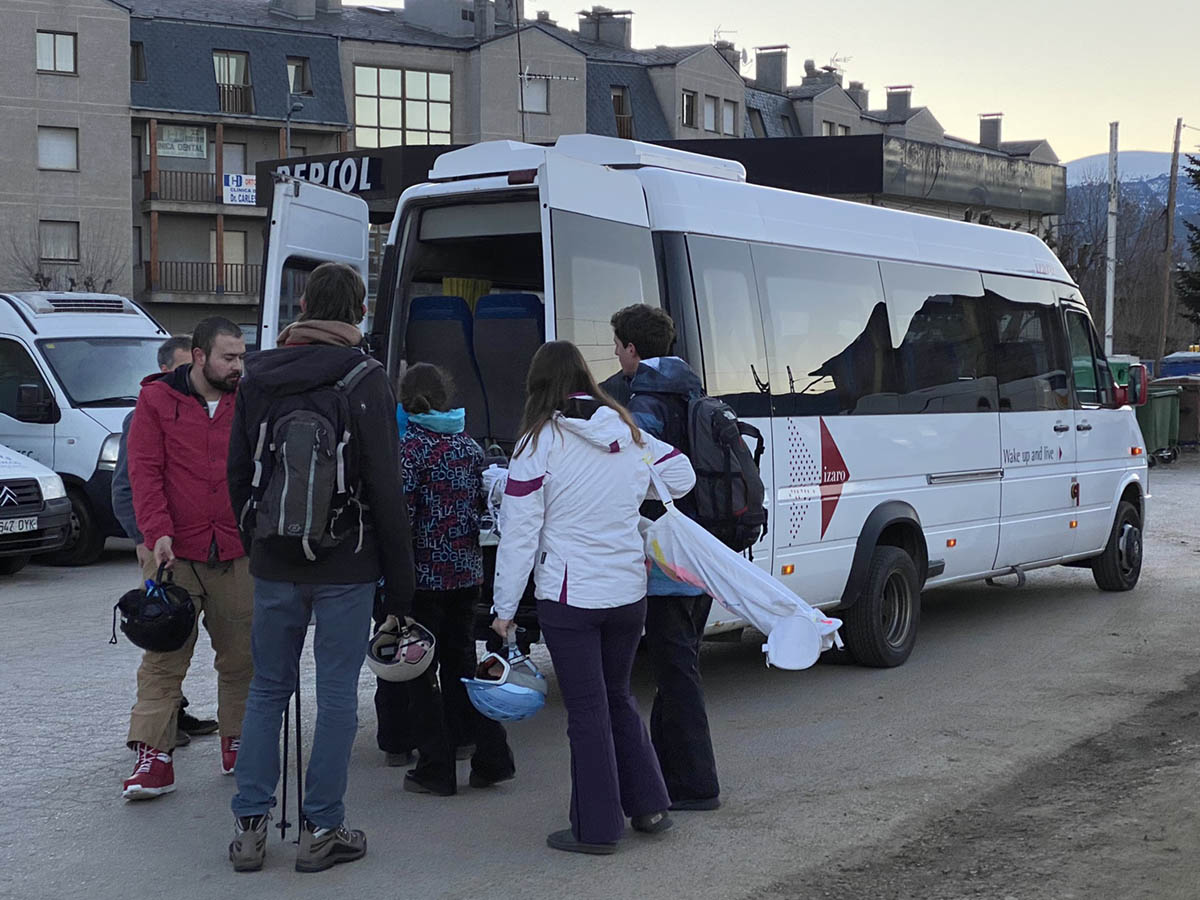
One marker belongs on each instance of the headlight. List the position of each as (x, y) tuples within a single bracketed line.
[(108, 453), (52, 487)]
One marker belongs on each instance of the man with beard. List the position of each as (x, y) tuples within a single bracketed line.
[(178, 447)]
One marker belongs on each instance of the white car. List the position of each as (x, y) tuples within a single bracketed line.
[(35, 514)]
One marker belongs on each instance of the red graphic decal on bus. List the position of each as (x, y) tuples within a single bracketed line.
[(834, 474)]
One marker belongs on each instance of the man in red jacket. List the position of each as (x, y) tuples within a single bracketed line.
[(178, 447)]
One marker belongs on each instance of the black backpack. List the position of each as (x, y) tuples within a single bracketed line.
[(729, 494), (305, 485)]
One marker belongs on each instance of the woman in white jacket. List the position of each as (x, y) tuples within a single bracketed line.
[(570, 514)]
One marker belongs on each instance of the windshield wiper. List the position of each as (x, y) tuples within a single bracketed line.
[(109, 401)]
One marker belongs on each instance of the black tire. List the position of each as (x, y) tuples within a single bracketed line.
[(11, 565), (1120, 565), (881, 627), (84, 543)]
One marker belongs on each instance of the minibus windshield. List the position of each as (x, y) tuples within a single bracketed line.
[(96, 371)]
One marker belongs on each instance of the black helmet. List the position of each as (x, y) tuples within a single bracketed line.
[(159, 616)]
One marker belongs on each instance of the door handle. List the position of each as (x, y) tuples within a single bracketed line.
[(1083, 427), (1061, 428)]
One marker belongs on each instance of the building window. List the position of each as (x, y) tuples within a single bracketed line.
[(729, 118), (299, 80), (137, 61), (58, 241), (687, 106), (827, 129), (56, 52), (400, 106), (622, 111), (136, 155), (710, 113), (843, 131), (788, 128), (58, 148), (233, 81), (137, 245), (757, 126), (535, 94)]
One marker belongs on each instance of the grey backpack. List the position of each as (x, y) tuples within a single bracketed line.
[(305, 485)]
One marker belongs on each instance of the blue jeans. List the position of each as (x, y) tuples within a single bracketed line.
[(281, 616)]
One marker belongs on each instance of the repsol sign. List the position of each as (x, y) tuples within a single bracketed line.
[(353, 174)]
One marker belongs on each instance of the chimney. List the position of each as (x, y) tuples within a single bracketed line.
[(730, 53), (605, 26), (858, 94), (770, 68), (989, 130), (329, 6), (543, 17), (899, 99), (294, 9), (485, 20)]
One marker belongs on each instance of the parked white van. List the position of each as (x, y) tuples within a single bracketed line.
[(936, 403), (70, 368), (35, 513)]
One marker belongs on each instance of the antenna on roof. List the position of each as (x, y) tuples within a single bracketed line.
[(719, 33), (837, 63)]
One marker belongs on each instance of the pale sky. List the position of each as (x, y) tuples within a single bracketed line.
[(1058, 69)]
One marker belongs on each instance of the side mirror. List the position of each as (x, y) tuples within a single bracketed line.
[(36, 405), (1139, 385)]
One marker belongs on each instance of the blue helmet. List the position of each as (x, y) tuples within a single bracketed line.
[(507, 690)]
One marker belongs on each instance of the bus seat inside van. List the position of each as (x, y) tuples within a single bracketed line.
[(508, 330), (440, 332)]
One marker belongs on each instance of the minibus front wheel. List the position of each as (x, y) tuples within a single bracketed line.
[(880, 629)]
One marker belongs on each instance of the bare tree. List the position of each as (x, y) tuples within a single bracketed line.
[(103, 258)]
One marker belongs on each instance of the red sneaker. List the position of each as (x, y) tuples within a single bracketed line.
[(153, 776), (229, 752)]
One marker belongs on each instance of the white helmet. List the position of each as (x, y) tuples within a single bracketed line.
[(396, 653)]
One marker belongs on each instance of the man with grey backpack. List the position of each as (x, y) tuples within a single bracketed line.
[(314, 478)]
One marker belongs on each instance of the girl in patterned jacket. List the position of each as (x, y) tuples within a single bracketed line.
[(442, 483)]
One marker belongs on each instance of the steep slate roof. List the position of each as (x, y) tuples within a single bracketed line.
[(659, 56), (180, 76), (773, 108), (809, 91), (649, 122), (887, 117), (354, 22)]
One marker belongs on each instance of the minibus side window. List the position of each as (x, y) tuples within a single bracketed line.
[(1027, 333), (733, 346), (942, 341), (599, 267), (17, 368), (1090, 368), (828, 333)]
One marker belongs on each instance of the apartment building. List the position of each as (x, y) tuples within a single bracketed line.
[(64, 198)]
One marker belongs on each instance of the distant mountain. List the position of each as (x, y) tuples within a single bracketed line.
[(1132, 165)]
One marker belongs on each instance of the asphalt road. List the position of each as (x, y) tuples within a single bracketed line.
[(838, 781)]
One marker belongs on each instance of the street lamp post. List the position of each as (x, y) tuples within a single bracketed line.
[(287, 125)]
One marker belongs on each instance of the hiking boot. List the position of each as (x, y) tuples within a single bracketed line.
[(153, 775), (566, 840), (323, 848), (654, 823), (196, 727), (229, 752), (248, 849), (182, 738)]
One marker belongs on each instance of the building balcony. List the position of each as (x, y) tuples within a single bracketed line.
[(187, 187), (238, 282), (236, 98), (625, 127)]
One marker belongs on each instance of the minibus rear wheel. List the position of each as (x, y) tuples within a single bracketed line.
[(881, 627), (1120, 565)]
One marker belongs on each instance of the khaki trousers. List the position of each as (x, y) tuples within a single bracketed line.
[(224, 596)]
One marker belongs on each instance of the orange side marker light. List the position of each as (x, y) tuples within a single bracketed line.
[(1074, 523), (953, 542), (788, 569), (1136, 451)]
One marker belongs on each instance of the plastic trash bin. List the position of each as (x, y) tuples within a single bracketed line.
[(1159, 421), (1189, 408)]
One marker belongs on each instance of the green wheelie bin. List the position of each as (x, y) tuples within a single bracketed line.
[(1159, 421)]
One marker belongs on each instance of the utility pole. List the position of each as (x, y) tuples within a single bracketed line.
[(1110, 267), (1168, 253)]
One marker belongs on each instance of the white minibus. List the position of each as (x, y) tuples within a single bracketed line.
[(71, 365), (936, 404)]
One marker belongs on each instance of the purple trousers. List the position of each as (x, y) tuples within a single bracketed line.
[(614, 769)]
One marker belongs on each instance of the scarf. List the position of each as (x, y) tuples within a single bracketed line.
[(452, 421), (321, 331)]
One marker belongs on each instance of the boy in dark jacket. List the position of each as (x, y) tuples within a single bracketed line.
[(656, 389), (337, 588)]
